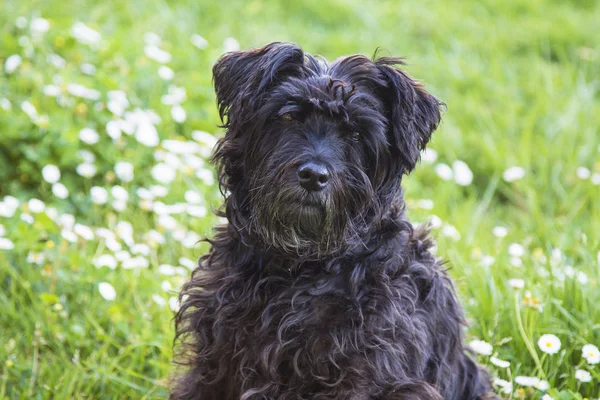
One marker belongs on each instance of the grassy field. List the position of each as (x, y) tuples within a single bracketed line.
[(88, 277)]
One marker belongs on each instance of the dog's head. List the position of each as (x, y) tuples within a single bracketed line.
[(314, 151)]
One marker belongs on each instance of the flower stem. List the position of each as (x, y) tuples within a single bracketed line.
[(526, 340)]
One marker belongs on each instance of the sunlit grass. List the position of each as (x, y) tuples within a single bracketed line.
[(520, 79)]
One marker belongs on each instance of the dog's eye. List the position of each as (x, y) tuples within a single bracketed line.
[(355, 136), (287, 117)]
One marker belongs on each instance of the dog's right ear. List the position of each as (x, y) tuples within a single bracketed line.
[(242, 78)]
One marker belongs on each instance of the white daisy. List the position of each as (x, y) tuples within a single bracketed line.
[(140, 248), (56, 60), (583, 173), (167, 222), (194, 197), (204, 138), (144, 194), (124, 171), (87, 156), (425, 204), (86, 170), (198, 41), (516, 262), (51, 90), (591, 354), (89, 136), (86, 35), (200, 212), (36, 206), (189, 264), (113, 129), (147, 134), (69, 236), (481, 347), (21, 22), (499, 363), (513, 174), (190, 240), (166, 269), (87, 69), (12, 63), (35, 258), (136, 263), (206, 175), (117, 102), (174, 304), (549, 344), (152, 38), (166, 286), (66, 220), (105, 260), (451, 232), (178, 114), (516, 283), (27, 218), (487, 261), (582, 277), (84, 231), (230, 44), (516, 250), (526, 381), (175, 95), (6, 244), (165, 73), (542, 385), (30, 110), (435, 221), (505, 386), (163, 173), (5, 104), (159, 300), (124, 230), (51, 173), (154, 53), (429, 156), (583, 376), (462, 173), (99, 195), (500, 231), (107, 291), (119, 193), (154, 236), (122, 255), (444, 171), (84, 92), (39, 25)]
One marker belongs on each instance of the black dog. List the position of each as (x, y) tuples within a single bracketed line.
[(318, 287)]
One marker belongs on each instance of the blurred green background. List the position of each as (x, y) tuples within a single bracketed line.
[(117, 97)]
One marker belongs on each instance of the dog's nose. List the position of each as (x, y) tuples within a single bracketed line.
[(313, 176)]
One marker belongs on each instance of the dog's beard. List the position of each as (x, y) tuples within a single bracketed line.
[(295, 221)]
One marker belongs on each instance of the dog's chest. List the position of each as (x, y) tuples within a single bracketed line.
[(326, 328)]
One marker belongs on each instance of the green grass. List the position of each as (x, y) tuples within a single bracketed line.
[(521, 80)]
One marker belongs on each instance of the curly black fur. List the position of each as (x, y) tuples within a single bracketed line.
[(330, 294)]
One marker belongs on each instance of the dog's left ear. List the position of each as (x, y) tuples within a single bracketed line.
[(413, 113)]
